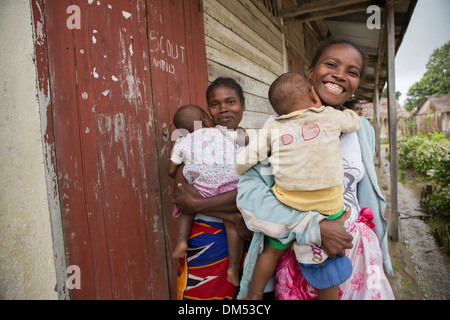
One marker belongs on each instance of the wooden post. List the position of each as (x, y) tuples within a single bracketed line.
[(376, 124), (392, 114)]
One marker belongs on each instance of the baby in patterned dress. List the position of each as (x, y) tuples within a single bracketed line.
[(208, 153)]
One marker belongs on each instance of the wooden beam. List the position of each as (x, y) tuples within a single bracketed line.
[(323, 14), (363, 96), (376, 124), (317, 6), (392, 115), (381, 50)]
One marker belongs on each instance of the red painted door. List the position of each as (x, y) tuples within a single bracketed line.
[(114, 83)]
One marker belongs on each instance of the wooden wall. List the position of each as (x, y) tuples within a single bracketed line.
[(110, 89), (248, 43), (242, 42)]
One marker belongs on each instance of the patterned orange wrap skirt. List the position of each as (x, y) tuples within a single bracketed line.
[(202, 273)]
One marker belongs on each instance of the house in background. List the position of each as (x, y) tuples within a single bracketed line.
[(433, 114), (402, 117), (85, 126)]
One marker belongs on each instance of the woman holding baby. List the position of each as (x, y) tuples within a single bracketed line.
[(335, 74)]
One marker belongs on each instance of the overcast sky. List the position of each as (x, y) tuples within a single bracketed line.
[(428, 29)]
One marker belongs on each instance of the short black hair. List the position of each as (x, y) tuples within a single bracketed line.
[(350, 103), (325, 45), (285, 85), (186, 115), (227, 82)]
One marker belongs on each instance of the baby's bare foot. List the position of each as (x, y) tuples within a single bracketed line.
[(233, 276), (180, 250)]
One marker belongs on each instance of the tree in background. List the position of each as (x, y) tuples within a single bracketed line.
[(384, 94), (436, 80)]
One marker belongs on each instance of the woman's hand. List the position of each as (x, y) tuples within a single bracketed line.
[(334, 237), (187, 198), (190, 201)]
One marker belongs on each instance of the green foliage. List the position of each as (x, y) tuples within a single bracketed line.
[(436, 80), (438, 202), (384, 94), (429, 157)]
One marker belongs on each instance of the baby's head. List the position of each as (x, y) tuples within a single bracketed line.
[(355, 105), (291, 92), (186, 116)]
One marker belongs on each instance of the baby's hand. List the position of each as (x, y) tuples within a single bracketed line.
[(242, 137)]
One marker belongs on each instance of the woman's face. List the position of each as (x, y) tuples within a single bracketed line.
[(336, 75), (225, 108)]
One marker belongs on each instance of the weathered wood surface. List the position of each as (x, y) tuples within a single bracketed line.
[(114, 85), (243, 43)]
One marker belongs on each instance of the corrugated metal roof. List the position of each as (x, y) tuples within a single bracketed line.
[(347, 19)]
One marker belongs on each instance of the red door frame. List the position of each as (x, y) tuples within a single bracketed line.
[(109, 91)]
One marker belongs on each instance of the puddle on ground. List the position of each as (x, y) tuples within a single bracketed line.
[(431, 266)]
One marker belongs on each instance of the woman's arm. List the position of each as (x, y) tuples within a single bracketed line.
[(172, 169), (222, 206), (190, 201), (262, 209), (334, 237)]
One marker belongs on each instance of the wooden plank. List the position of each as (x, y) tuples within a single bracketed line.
[(255, 92), (45, 106), (90, 159), (251, 16), (111, 138), (236, 43), (295, 39), (218, 12), (296, 63), (128, 211), (171, 60), (376, 124), (195, 42), (175, 95), (249, 85), (222, 55), (147, 143), (317, 6), (392, 114), (67, 145), (115, 202), (340, 11), (253, 120), (257, 104)]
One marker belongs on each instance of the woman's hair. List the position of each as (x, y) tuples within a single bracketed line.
[(227, 82), (351, 103), (325, 45)]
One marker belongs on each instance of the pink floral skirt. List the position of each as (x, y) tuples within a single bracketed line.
[(367, 282)]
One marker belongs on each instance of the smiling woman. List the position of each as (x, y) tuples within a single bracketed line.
[(205, 273), (226, 102), (336, 71), (335, 74)]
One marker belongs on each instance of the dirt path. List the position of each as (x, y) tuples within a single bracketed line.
[(421, 270)]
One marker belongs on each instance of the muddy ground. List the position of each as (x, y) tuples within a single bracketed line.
[(421, 268)]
